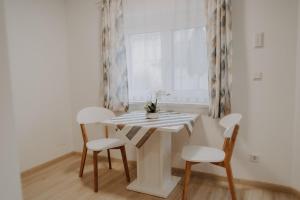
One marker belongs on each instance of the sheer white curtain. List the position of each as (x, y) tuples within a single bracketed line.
[(166, 50)]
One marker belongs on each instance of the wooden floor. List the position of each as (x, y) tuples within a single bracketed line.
[(61, 181)]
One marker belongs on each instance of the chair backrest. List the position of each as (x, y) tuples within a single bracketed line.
[(92, 115), (231, 124)]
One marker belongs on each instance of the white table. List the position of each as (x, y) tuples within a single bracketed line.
[(154, 163)]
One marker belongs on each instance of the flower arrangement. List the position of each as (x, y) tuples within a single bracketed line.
[(151, 107)]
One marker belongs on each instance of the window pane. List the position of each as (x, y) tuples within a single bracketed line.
[(145, 65), (190, 65), (166, 50)]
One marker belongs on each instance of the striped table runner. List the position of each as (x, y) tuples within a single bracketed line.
[(137, 129)]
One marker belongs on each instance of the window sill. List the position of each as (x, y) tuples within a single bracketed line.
[(178, 107)]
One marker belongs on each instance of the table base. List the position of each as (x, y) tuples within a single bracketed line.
[(155, 191)]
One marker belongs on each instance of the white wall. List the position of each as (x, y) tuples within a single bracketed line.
[(84, 52), (267, 106), (40, 79), (10, 187), (296, 139)]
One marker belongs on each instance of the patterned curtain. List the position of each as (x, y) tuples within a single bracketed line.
[(219, 36), (113, 56)]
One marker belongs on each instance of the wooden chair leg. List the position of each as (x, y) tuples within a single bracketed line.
[(109, 160), (83, 158), (230, 181), (125, 163), (95, 159), (188, 167)]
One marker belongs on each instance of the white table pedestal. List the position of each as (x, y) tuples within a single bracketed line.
[(154, 167)]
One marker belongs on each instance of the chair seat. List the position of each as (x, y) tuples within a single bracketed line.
[(195, 153), (104, 143)]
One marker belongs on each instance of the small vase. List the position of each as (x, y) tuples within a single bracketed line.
[(152, 115)]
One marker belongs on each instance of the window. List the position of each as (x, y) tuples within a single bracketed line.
[(166, 50)]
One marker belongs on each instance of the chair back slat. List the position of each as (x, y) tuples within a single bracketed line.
[(231, 124), (92, 115), (84, 134), (229, 144)]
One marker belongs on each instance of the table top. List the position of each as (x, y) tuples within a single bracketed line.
[(167, 121)]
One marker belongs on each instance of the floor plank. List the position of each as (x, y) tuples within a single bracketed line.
[(60, 181)]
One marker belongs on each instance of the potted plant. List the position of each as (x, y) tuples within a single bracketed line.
[(151, 110), (152, 107)]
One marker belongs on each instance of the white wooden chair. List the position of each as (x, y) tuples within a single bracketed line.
[(93, 115), (194, 154)]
